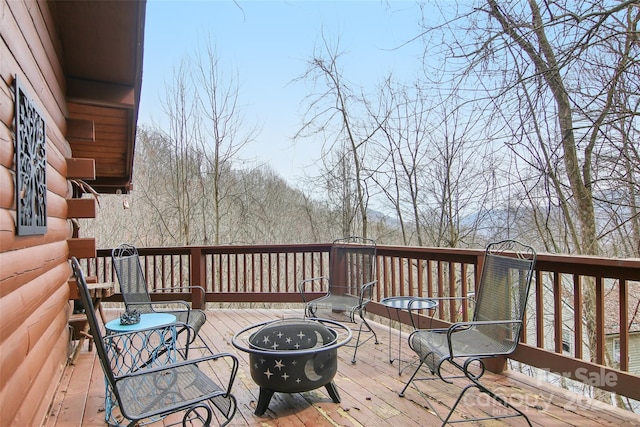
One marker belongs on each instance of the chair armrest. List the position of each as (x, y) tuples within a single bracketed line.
[(366, 292), (439, 300), (186, 305), (184, 287), (303, 283), (479, 325), (204, 292), (413, 301)]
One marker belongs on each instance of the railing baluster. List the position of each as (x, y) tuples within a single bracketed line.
[(600, 341), (557, 312), (577, 315), (539, 309), (624, 324)]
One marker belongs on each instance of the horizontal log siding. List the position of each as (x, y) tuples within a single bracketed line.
[(33, 269)]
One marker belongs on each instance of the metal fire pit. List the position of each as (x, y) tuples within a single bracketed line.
[(292, 356)]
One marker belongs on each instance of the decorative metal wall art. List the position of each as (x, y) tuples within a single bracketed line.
[(31, 166)]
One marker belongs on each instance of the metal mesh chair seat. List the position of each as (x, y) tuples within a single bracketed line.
[(158, 391), (432, 346), (335, 303), (192, 318), (494, 330)]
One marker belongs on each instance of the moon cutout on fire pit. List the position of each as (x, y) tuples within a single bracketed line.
[(319, 339), (310, 372)]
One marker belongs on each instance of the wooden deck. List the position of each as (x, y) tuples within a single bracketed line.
[(369, 390)]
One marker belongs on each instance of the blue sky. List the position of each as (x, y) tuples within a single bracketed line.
[(268, 44)]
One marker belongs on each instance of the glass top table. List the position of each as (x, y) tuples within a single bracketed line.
[(402, 303), (399, 303)]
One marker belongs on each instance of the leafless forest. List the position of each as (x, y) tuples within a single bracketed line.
[(524, 124)]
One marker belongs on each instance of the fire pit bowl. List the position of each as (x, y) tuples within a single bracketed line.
[(292, 356)]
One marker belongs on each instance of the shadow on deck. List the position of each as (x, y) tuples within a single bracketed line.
[(369, 389)]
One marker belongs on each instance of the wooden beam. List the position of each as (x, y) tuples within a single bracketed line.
[(81, 168), (82, 247), (100, 93), (79, 129), (81, 208)]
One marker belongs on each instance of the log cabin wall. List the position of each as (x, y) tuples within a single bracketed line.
[(34, 269), (79, 63)]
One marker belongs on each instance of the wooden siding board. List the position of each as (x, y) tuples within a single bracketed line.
[(634, 353), (57, 183), (45, 92), (37, 365), (34, 269), (7, 189), (104, 147), (58, 229), (43, 388), (37, 37), (6, 143), (6, 89), (9, 67), (47, 10), (43, 23), (16, 306)]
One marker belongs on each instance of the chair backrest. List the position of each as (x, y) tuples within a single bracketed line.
[(504, 288), (133, 285), (83, 290), (352, 263)]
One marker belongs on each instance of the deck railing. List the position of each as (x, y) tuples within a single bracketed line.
[(575, 300)]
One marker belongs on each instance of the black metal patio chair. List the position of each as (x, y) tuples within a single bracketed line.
[(135, 292), (172, 386), (349, 286), (494, 330)]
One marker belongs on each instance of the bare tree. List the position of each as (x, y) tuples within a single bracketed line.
[(222, 133), (557, 77), (331, 115)]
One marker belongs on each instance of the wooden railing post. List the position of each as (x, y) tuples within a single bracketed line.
[(196, 277)]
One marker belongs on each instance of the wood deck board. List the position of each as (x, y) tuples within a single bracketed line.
[(368, 390)]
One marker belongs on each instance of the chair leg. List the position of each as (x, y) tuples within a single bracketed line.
[(364, 320), (401, 394), (192, 414), (358, 343), (477, 384)]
